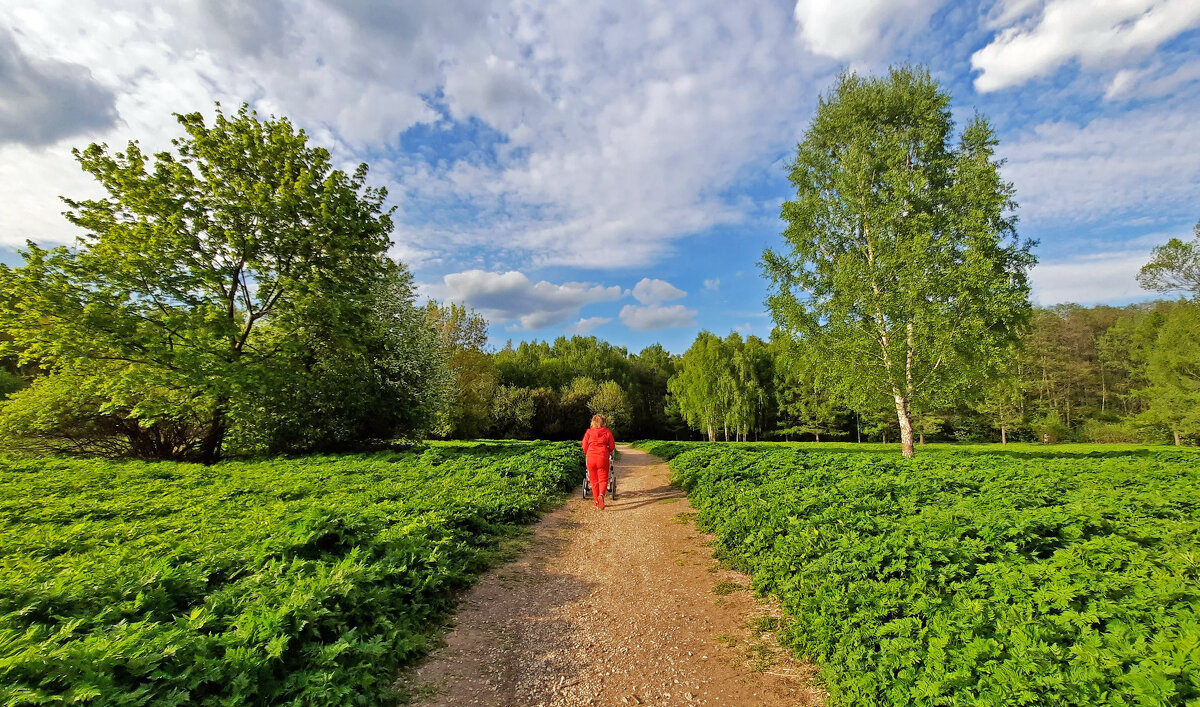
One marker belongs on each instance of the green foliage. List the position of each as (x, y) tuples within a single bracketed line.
[(512, 412), (301, 581), (903, 269), (610, 401), (805, 405), (94, 409), (578, 369), (391, 383), (1173, 372), (211, 278), (1013, 578), (1111, 432), (1174, 267), (463, 335), (725, 385), (10, 383)]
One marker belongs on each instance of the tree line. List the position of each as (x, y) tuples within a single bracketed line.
[(901, 301), (233, 295), (1086, 374), (549, 390)]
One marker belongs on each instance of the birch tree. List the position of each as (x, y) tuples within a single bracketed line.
[(902, 263)]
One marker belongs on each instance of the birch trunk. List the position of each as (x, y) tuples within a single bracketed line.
[(906, 428)]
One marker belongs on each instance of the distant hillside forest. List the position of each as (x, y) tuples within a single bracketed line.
[(1080, 374)]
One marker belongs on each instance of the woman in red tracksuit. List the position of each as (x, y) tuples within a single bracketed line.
[(598, 444)]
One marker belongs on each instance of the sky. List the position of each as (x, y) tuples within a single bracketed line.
[(617, 168)]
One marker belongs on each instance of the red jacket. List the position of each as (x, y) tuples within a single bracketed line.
[(599, 442)]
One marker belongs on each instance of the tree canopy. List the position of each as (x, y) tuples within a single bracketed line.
[(213, 279), (1174, 267), (903, 272)]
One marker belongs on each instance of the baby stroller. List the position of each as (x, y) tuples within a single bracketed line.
[(612, 479)]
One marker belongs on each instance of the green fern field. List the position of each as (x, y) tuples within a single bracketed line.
[(969, 578), (304, 581)]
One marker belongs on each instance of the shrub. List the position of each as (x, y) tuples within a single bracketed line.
[(970, 579), (303, 581)]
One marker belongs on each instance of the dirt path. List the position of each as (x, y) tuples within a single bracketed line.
[(615, 607)]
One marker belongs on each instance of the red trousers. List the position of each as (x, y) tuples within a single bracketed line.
[(597, 467)]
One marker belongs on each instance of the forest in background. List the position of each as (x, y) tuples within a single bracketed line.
[(1087, 374)]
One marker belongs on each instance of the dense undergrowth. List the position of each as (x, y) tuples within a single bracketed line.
[(969, 578), (302, 581)]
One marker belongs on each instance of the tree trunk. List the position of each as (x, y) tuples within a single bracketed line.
[(210, 446), (712, 434), (922, 438), (1178, 442), (906, 428), (1103, 390), (817, 435), (1003, 435)]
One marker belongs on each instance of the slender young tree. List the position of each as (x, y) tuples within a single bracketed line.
[(463, 335), (697, 388), (903, 267)]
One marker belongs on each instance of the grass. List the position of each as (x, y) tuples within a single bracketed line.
[(1029, 450), (726, 587)]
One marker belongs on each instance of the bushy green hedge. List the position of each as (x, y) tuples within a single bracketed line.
[(304, 581), (665, 450), (970, 579)]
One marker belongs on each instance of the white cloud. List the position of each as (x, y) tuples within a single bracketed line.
[(653, 291), (1096, 34), (1109, 167), (511, 296), (1151, 82), (45, 100), (1005, 12), (587, 324), (712, 284), (495, 88), (623, 128), (657, 316), (1094, 279), (848, 29)]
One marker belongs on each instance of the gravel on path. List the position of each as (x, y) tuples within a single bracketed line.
[(624, 606)]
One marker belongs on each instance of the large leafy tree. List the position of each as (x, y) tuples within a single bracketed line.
[(724, 385), (1173, 372), (389, 380), (463, 335), (201, 272), (1174, 267), (696, 386), (804, 405), (903, 268), (650, 371), (611, 402)]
